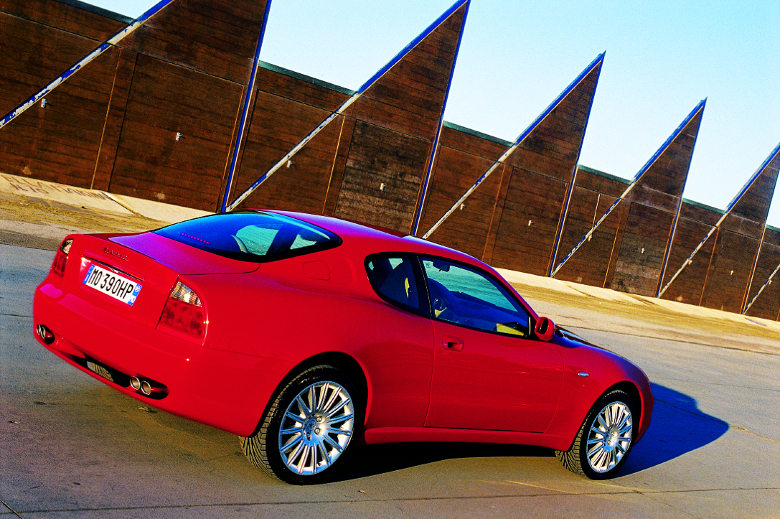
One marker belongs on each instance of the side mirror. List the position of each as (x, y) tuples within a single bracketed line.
[(545, 329)]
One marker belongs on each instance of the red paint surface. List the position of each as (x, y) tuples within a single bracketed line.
[(425, 379)]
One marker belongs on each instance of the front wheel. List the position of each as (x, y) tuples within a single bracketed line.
[(604, 439), (308, 428)]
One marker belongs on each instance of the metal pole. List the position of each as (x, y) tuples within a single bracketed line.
[(470, 190), (753, 268), (593, 229), (766, 284), (435, 148), (103, 47), (291, 153), (250, 90)]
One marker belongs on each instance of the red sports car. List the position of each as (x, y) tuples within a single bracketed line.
[(305, 335)]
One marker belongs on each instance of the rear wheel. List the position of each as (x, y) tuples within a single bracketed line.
[(308, 429), (604, 439)]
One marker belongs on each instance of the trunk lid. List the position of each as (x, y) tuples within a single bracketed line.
[(105, 276), (133, 275)]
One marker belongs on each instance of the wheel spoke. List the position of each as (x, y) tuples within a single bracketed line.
[(596, 460), (294, 417), (306, 410), (294, 454), (324, 453), (333, 443), (327, 405), (314, 452), (605, 459), (312, 398), (304, 457), (295, 440), (340, 419), (595, 441), (598, 447), (614, 415), (323, 393), (624, 420), (339, 432), (338, 408), (291, 430)]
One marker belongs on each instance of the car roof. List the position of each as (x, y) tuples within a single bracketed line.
[(374, 239)]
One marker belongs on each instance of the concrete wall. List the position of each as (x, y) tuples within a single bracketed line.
[(114, 126)]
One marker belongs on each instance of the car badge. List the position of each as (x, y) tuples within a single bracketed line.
[(115, 253)]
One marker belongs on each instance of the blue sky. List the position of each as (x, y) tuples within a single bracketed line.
[(662, 58)]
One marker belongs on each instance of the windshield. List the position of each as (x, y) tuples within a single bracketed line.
[(252, 236)]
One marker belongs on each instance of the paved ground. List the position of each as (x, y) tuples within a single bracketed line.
[(71, 447)]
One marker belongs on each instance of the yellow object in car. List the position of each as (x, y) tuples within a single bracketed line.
[(502, 328)]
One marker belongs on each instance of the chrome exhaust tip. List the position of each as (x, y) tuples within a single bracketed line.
[(146, 388), (46, 335), (135, 383)]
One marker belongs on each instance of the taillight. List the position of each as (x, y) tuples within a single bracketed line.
[(61, 258), (184, 311)]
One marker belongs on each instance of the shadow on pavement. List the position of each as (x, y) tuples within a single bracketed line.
[(372, 460), (678, 427)]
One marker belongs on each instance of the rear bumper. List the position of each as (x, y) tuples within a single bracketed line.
[(223, 389)]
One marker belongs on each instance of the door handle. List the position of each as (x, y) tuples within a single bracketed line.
[(453, 344)]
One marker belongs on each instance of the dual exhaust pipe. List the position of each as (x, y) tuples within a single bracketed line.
[(139, 384), (145, 387)]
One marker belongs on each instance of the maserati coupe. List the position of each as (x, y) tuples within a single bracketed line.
[(308, 335)]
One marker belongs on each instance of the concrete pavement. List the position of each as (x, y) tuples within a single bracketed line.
[(72, 447)]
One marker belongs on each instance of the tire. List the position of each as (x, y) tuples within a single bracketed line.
[(308, 429), (609, 431)]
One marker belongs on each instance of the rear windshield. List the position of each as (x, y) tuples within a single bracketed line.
[(252, 236)]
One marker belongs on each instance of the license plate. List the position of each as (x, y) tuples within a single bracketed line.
[(112, 284)]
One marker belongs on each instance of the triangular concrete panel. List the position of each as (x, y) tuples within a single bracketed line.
[(694, 225), (739, 238), (547, 151), (537, 179), (397, 120), (629, 250), (379, 138), (718, 273), (764, 294)]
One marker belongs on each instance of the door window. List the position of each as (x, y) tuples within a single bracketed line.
[(469, 297)]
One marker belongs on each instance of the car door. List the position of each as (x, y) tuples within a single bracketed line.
[(399, 352), (490, 372)]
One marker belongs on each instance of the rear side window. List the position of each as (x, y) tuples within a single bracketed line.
[(252, 236), (394, 280)]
